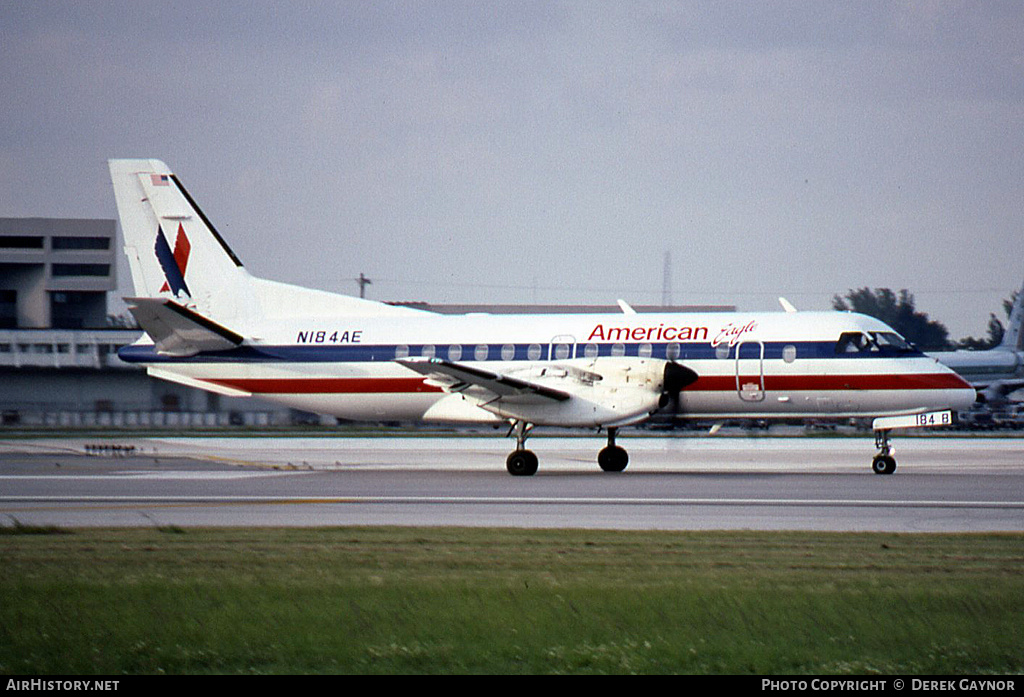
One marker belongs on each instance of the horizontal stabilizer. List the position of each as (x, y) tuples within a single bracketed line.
[(179, 331), (208, 385), (456, 377)]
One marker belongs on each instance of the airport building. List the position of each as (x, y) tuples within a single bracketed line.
[(55, 273), (58, 345)]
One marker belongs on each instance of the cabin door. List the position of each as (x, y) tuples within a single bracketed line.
[(750, 371), (563, 347)]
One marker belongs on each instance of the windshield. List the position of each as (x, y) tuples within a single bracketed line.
[(891, 340), (873, 343)]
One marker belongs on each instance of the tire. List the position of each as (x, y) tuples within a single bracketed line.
[(883, 464), (521, 463), (613, 459)]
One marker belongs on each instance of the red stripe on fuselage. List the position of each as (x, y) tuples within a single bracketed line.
[(829, 383), (706, 383)]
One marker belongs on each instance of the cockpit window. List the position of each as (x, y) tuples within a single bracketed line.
[(891, 340), (852, 342), (873, 343)]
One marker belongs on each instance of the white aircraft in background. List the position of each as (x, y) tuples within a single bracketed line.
[(997, 372), (211, 325)]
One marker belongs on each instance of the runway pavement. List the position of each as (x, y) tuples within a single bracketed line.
[(941, 484)]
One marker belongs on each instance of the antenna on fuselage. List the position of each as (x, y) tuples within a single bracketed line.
[(786, 305), (363, 281)]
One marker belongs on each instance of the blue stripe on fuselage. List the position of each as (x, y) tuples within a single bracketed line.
[(370, 353)]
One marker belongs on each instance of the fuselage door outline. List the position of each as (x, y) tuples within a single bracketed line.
[(750, 371), (562, 348)]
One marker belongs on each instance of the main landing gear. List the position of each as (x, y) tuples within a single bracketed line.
[(523, 463), (612, 458), (884, 462)]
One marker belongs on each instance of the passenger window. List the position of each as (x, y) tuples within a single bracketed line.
[(454, 352), (590, 350), (428, 351), (480, 352), (508, 352), (789, 353), (534, 352), (401, 351), (618, 350)]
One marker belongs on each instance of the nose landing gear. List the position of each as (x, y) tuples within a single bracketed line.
[(883, 462)]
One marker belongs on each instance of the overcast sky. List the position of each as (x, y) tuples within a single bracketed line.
[(549, 152)]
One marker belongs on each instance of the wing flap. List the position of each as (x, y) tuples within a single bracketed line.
[(179, 331), (457, 377)]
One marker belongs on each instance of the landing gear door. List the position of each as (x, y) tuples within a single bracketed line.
[(750, 371)]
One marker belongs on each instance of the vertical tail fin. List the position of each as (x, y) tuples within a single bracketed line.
[(173, 250), (175, 253), (1012, 337)]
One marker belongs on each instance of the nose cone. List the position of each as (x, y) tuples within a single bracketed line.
[(960, 394)]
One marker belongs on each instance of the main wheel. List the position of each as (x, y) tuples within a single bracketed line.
[(613, 459), (521, 463), (883, 464)]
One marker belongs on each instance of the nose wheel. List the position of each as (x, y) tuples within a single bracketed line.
[(883, 462)]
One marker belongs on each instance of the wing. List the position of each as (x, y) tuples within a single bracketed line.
[(179, 331), (457, 377)]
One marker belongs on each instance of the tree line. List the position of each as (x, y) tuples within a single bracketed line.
[(898, 311)]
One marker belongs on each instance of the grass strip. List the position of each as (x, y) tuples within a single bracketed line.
[(410, 600)]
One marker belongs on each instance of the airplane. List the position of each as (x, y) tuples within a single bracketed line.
[(997, 372), (209, 324)]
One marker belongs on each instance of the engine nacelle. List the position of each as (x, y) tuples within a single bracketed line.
[(605, 392)]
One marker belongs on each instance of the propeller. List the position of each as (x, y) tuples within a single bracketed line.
[(677, 378)]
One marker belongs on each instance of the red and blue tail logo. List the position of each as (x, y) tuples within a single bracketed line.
[(173, 263)]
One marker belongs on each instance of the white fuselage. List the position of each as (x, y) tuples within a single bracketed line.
[(764, 365)]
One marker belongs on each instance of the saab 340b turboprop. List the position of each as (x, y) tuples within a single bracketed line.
[(211, 325)]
